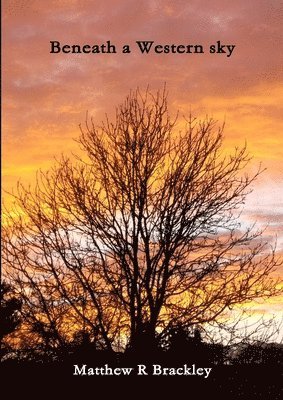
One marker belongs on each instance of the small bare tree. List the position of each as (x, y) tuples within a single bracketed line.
[(140, 235)]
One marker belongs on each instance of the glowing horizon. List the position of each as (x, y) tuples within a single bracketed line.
[(46, 96)]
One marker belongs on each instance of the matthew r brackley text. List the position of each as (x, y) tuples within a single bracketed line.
[(142, 369)]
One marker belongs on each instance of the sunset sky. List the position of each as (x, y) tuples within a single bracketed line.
[(46, 96)]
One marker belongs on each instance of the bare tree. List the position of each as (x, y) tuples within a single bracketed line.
[(141, 234)]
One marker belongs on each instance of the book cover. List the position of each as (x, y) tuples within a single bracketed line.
[(142, 193)]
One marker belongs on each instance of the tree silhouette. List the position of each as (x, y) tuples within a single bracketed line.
[(260, 353), (9, 314), (139, 235)]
